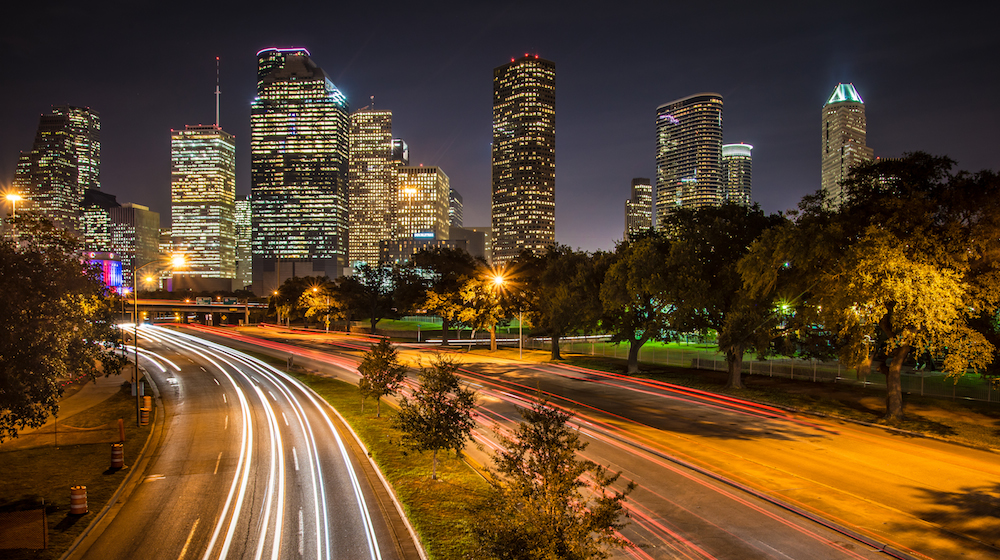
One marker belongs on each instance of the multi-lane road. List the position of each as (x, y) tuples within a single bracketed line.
[(249, 464), (726, 478)]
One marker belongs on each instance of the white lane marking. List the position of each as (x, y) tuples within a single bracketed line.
[(272, 395), (203, 369), (224, 399), (295, 458), (216, 382), (285, 417), (302, 534), (217, 461), (187, 543), (227, 423), (153, 477)]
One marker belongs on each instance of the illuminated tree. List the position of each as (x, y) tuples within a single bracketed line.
[(381, 373)]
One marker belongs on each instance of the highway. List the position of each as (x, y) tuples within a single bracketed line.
[(725, 478), (250, 465)]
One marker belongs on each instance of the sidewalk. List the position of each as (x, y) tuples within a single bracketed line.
[(92, 394)]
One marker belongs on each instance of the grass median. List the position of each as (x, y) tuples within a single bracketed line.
[(43, 474)]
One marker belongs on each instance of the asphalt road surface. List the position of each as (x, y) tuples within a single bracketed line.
[(250, 465), (726, 478)]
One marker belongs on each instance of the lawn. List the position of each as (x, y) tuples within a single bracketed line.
[(45, 474)]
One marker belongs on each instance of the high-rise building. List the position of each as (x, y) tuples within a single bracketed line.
[(456, 208), (844, 132), (524, 157), (203, 199), (135, 237), (639, 208), (737, 173), (62, 164), (95, 220), (299, 124), (423, 203), (688, 154), (241, 221), (373, 177), (400, 151)]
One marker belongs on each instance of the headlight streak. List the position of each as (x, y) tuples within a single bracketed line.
[(277, 450), (160, 357), (282, 381), (243, 466)]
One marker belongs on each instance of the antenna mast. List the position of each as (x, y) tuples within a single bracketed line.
[(217, 92)]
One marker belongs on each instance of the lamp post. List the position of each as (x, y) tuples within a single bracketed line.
[(499, 281), (13, 198)]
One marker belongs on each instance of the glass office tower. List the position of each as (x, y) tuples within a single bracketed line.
[(373, 176), (844, 131), (299, 124), (737, 173)]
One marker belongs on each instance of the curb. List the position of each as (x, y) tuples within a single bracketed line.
[(104, 518)]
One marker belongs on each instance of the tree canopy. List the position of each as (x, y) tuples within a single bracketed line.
[(381, 373), (57, 324), (903, 264), (540, 505), (448, 269)]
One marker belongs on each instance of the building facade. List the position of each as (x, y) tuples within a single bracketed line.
[(203, 204), (688, 154), (737, 174), (63, 163), (95, 220), (135, 237), (844, 133), (244, 260), (456, 208), (373, 178), (524, 157), (299, 170), (422, 207), (639, 208)]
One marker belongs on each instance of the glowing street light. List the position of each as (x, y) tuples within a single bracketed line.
[(14, 198)]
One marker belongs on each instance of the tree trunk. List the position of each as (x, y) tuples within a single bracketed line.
[(445, 324), (434, 464), (555, 347), (734, 361), (493, 338), (633, 354), (894, 384), (374, 322), (378, 407)]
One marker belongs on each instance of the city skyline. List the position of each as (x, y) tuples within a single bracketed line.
[(439, 90)]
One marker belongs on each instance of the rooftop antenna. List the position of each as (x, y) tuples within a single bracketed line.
[(373, 102), (217, 92)]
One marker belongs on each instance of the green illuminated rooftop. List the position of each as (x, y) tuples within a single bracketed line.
[(844, 92)]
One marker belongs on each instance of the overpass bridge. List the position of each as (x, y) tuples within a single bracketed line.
[(207, 311)]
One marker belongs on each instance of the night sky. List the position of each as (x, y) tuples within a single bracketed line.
[(928, 73)]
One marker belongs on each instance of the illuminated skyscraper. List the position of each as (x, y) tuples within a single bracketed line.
[(737, 173), (299, 125), (844, 132), (95, 220), (688, 154), (524, 157), (135, 236), (63, 163), (639, 208), (203, 197), (373, 177), (244, 259), (423, 203)]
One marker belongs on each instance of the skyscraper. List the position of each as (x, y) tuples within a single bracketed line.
[(135, 236), (423, 203), (203, 198), (62, 164), (639, 208), (688, 154), (456, 208), (524, 157), (244, 258), (95, 220), (844, 132), (373, 178), (299, 125), (737, 173)]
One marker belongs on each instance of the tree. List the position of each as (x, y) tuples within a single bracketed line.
[(288, 301), (379, 292), (439, 416), (559, 291), (320, 301), (57, 324), (905, 263), (705, 286), (634, 295), (484, 305), (539, 505), (381, 373), (449, 268)]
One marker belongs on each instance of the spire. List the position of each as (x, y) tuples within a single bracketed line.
[(217, 92), (844, 93)]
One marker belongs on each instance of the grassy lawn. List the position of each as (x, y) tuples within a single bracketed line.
[(437, 509), (45, 474)]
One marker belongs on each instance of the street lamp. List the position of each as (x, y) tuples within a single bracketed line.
[(13, 198), (499, 281)]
